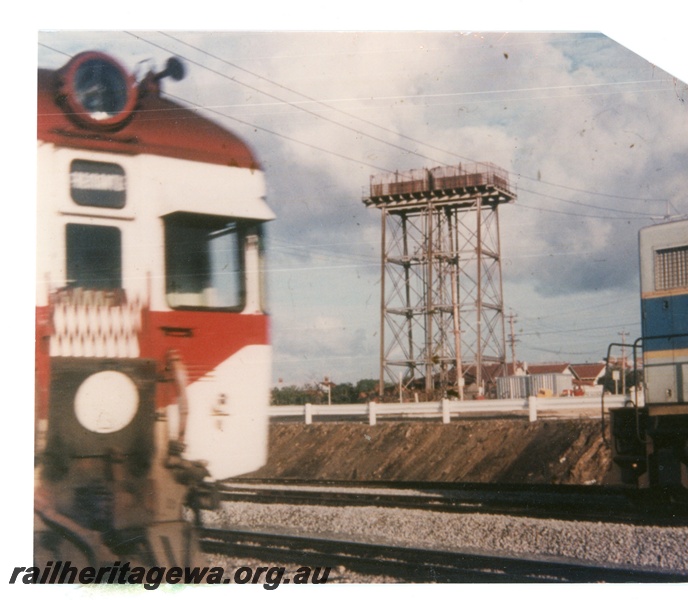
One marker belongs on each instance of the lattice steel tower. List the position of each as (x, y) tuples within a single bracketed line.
[(442, 312)]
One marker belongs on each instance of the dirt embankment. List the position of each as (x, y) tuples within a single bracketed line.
[(489, 450)]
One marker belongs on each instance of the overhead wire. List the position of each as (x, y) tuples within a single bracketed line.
[(55, 50), (414, 140), (253, 125), (569, 214), (399, 134), (639, 216), (289, 138), (577, 330), (280, 135), (301, 108), (608, 208)]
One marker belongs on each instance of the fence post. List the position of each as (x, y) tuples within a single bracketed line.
[(532, 409), (446, 418), (372, 417), (309, 413)]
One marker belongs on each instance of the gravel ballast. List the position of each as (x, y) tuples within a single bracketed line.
[(597, 543)]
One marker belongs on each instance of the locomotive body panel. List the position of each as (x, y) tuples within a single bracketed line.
[(664, 311), (230, 408)]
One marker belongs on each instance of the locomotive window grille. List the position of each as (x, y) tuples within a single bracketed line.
[(204, 262), (94, 257), (671, 268)]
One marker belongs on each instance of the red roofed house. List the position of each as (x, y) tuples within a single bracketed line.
[(586, 376), (550, 369)]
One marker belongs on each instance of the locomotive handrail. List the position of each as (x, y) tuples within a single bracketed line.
[(604, 389), (638, 343)]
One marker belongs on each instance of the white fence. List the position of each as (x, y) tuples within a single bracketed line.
[(446, 409)]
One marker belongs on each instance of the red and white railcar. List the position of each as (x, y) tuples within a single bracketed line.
[(149, 271)]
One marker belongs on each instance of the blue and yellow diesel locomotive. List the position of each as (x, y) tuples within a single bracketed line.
[(650, 439)]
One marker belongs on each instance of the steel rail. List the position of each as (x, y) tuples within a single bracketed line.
[(581, 503), (410, 564)]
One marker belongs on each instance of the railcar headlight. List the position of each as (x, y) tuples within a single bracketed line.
[(106, 402), (98, 91), (100, 88)]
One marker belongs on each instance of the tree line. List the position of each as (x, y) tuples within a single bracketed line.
[(322, 393)]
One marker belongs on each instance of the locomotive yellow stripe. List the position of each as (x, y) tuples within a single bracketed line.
[(664, 293), (667, 409), (672, 354)]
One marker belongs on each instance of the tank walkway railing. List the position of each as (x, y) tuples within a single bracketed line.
[(448, 177), (446, 409)]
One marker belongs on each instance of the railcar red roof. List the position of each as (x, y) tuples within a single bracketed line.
[(157, 126)]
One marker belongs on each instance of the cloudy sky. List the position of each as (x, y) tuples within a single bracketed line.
[(594, 137)]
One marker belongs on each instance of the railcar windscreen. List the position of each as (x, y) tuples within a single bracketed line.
[(204, 262)]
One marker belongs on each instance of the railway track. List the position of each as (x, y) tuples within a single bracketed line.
[(420, 565), (579, 503)]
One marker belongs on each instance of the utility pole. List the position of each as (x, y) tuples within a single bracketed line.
[(512, 341)]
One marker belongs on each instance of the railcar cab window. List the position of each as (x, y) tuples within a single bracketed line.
[(94, 257), (204, 258)]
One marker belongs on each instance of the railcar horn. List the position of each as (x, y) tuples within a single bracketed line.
[(174, 69)]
